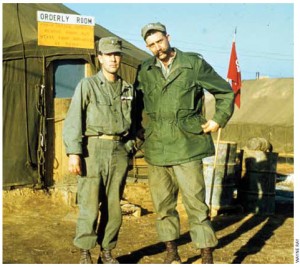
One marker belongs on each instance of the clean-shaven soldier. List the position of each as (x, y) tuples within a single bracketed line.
[(177, 136), (97, 137)]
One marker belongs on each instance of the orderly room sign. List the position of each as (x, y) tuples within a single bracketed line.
[(65, 30)]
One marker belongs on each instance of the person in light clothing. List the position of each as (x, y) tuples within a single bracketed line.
[(98, 139)]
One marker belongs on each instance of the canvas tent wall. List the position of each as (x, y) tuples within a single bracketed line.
[(25, 66), (267, 111)]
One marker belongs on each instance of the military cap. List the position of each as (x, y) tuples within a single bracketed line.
[(110, 45), (153, 26)]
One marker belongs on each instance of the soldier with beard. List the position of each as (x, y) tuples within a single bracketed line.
[(177, 136)]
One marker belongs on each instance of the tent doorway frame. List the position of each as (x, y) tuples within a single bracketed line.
[(56, 163)]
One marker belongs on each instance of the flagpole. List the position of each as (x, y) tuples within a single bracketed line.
[(233, 40), (234, 73), (234, 34)]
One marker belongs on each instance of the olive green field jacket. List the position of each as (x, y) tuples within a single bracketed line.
[(172, 108), (96, 109)]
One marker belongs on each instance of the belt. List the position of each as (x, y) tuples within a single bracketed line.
[(107, 137)]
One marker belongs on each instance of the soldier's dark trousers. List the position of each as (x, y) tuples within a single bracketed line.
[(102, 183), (165, 183)]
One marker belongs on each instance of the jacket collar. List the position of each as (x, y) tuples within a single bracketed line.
[(103, 80), (180, 61)]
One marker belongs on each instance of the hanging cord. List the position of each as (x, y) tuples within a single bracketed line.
[(29, 162), (42, 141)]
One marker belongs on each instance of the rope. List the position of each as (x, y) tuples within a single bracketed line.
[(42, 144)]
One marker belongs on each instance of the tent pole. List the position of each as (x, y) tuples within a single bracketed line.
[(213, 174)]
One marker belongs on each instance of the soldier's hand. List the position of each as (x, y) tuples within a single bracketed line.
[(75, 164), (210, 126)]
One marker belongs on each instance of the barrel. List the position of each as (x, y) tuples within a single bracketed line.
[(224, 179), (259, 143), (256, 189)]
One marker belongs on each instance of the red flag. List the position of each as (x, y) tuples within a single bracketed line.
[(234, 74)]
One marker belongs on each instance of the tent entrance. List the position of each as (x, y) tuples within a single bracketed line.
[(30, 111), (63, 76)]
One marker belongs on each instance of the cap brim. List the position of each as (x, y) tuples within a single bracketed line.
[(109, 51), (155, 28)]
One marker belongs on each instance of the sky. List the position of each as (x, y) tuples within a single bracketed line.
[(264, 37)]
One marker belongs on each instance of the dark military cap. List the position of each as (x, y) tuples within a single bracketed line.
[(153, 26), (109, 45)]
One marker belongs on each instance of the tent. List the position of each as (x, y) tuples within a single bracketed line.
[(267, 111), (26, 88)]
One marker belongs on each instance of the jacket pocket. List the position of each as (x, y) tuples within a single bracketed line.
[(186, 95), (96, 111), (102, 101), (192, 124)]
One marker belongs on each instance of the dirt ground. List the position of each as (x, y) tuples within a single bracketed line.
[(39, 226)]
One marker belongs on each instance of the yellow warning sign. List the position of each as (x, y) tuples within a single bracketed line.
[(55, 29)]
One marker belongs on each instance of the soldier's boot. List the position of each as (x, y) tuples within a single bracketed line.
[(85, 257), (172, 256), (207, 256), (107, 258)]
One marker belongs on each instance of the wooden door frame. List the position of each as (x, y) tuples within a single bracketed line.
[(56, 158)]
